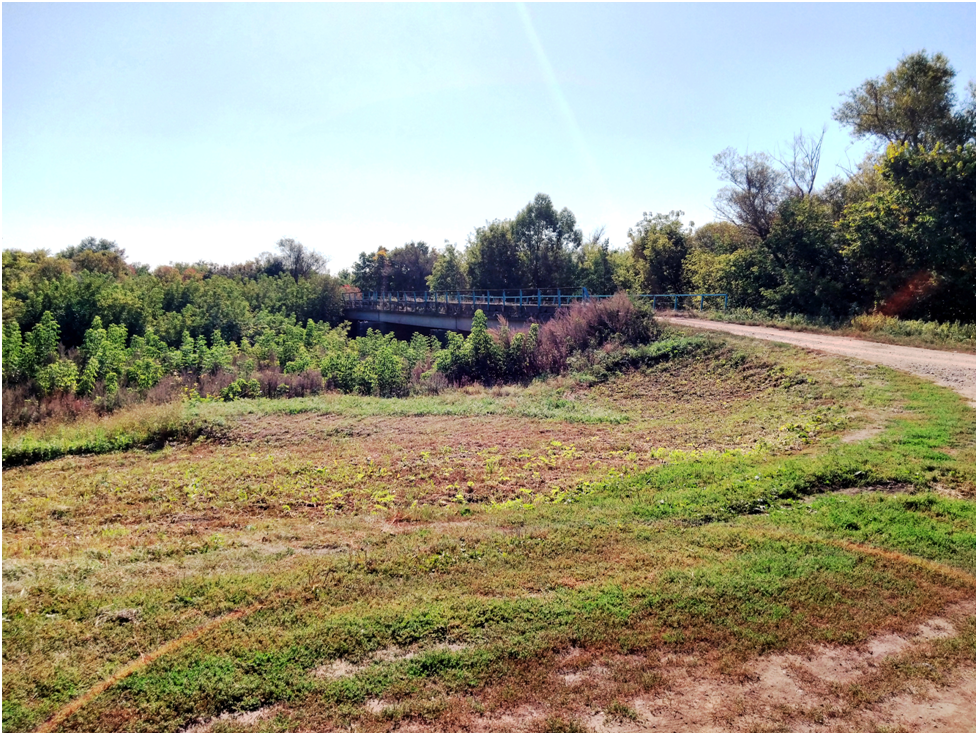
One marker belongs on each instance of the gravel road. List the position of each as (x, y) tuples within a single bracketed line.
[(952, 369)]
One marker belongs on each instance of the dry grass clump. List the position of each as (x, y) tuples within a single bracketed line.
[(591, 325), (138, 425)]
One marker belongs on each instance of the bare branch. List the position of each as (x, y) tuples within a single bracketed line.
[(756, 189), (801, 163)]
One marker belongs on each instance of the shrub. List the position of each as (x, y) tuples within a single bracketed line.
[(390, 370), (482, 355), (589, 326), (242, 388), (60, 377)]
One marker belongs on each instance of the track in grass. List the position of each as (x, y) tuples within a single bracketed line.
[(481, 591)]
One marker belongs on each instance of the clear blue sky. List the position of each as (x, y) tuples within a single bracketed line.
[(187, 131)]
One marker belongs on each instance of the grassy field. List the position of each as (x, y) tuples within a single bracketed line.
[(448, 562)]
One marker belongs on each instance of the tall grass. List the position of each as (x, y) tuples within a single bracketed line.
[(140, 425)]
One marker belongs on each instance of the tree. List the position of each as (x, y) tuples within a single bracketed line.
[(493, 258), (410, 266), (595, 264), (802, 161), (547, 241), (912, 244), (98, 256), (448, 273), (659, 244), (913, 104), (756, 188), (808, 265), (91, 245), (372, 272), (298, 260)]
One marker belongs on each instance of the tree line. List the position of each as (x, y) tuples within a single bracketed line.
[(895, 235)]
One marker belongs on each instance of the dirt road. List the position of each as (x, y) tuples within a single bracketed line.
[(952, 369)]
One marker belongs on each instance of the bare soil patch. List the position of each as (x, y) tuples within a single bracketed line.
[(811, 692)]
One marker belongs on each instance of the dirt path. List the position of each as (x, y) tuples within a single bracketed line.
[(952, 369)]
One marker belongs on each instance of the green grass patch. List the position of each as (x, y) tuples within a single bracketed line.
[(698, 552)]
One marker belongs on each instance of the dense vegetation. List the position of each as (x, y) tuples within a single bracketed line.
[(897, 237), (278, 358)]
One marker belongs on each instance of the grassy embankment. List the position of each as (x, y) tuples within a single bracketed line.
[(954, 337), (442, 561)]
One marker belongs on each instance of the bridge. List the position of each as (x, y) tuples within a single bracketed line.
[(453, 310)]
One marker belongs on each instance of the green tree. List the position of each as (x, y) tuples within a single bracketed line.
[(913, 104), (483, 358), (595, 264), (724, 258), (12, 351), (372, 272), (547, 241), (40, 345), (808, 264), (493, 258), (448, 272), (410, 266), (658, 245), (912, 244)]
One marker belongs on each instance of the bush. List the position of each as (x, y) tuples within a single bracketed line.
[(590, 326), (242, 388)]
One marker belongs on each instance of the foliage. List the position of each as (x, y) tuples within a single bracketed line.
[(547, 242), (913, 104), (658, 245), (406, 268), (807, 263), (913, 243), (599, 267), (448, 272), (724, 258), (493, 259), (242, 388)]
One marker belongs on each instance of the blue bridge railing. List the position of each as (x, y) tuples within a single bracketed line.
[(520, 301)]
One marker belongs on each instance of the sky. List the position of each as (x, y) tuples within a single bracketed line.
[(190, 132)]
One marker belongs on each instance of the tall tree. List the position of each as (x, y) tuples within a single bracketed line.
[(755, 189), (410, 266), (493, 258), (913, 104), (448, 273), (659, 245), (372, 272), (808, 265), (547, 241), (595, 264), (912, 244), (298, 260)]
